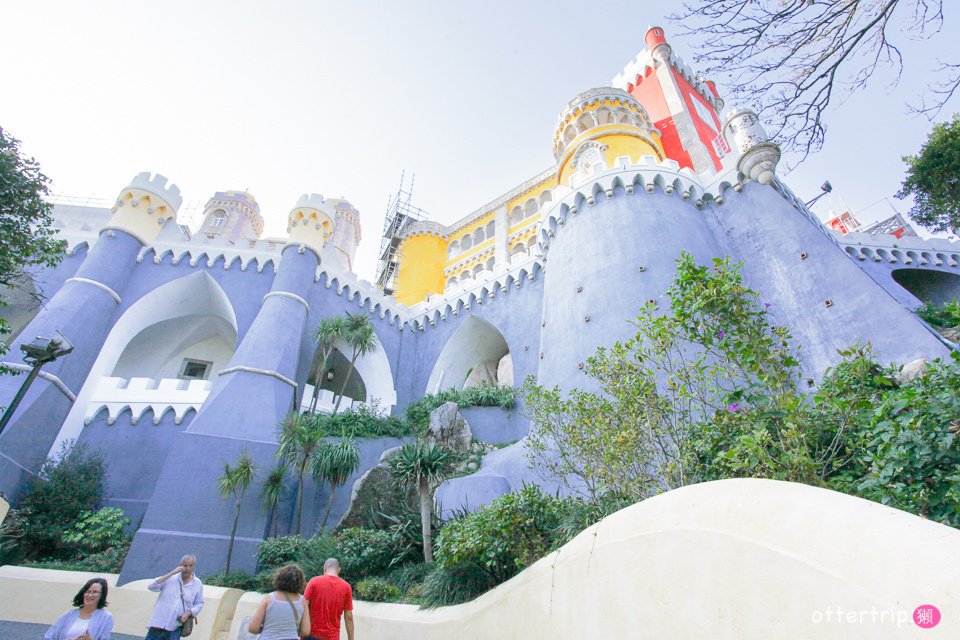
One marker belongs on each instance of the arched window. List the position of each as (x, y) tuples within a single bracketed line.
[(219, 218), (491, 228), (454, 249), (490, 264), (478, 236), (466, 242), (516, 215)]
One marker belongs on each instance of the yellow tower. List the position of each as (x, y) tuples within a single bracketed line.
[(145, 206), (599, 126), (311, 222), (423, 252)]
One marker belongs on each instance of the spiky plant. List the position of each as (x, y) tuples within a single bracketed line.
[(333, 463), (234, 483), (423, 464)]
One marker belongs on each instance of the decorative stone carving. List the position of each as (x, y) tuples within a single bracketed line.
[(449, 429), (758, 155)]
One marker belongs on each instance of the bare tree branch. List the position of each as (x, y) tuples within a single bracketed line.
[(791, 59)]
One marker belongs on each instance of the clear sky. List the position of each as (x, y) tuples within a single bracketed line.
[(285, 97)]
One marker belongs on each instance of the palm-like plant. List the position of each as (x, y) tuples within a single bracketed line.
[(424, 464), (326, 335), (270, 495), (362, 338), (234, 483), (299, 440), (333, 464)]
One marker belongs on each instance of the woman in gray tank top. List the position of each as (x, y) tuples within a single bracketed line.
[(281, 615)]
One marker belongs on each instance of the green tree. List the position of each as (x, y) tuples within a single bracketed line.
[(27, 236), (68, 484), (933, 179), (299, 440), (423, 464), (234, 483), (710, 354), (333, 464), (362, 338), (327, 334), (270, 495)]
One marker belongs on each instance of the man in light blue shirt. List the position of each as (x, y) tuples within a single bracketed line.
[(180, 598)]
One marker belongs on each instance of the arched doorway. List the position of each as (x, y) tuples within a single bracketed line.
[(370, 382), (476, 354), (929, 285)]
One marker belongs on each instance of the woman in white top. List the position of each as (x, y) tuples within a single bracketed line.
[(88, 621), (282, 614)]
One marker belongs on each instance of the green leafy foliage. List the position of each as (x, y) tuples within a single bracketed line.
[(446, 586), (69, 484), (504, 536), (27, 235), (362, 422), (945, 316), (96, 531), (376, 590), (365, 552), (932, 179), (262, 582), (310, 553), (417, 414), (109, 560), (913, 448), (713, 349)]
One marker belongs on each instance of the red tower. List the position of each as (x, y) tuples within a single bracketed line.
[(681, 106)]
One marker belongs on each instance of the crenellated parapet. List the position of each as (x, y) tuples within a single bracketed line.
[(144, 206), (310, 222), (599, 125), (659, 52)]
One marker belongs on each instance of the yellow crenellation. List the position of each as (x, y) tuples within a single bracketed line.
[(141, 214)]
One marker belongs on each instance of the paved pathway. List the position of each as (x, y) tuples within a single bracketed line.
[(29, 631)]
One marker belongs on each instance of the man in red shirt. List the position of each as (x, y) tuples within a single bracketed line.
[(328, 596)]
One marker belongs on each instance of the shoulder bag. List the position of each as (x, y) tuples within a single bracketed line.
[(186, 628)]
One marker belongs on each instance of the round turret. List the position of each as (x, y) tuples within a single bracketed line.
[(145, 206), (758, 154), (310, 222), (656, 41), (599, 126)]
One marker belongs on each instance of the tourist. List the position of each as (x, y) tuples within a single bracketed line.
[(328, 597), (282, 615), (180, 599), (88, 620)]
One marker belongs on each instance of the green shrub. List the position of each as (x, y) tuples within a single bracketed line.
[(363, 422), (913, 448), (417, 414), (107, 561), (309, 553), (376, 590), (95, 531), (409, 575), (262, 582), (448, 586), (944, 316), (69, 483), (503, 537), (365, 552)]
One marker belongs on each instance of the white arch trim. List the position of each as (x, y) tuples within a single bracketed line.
[(186, 296)]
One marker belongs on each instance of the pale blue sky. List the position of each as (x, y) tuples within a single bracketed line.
[(285, 97)]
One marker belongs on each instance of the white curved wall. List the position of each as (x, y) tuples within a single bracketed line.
[(735, 559)]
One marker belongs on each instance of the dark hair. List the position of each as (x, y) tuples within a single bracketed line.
[(78, 599), (289, 578)]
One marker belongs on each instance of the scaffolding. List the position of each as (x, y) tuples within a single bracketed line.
[(400, 213)]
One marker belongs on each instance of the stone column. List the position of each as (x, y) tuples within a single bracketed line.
[(83, 310)]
